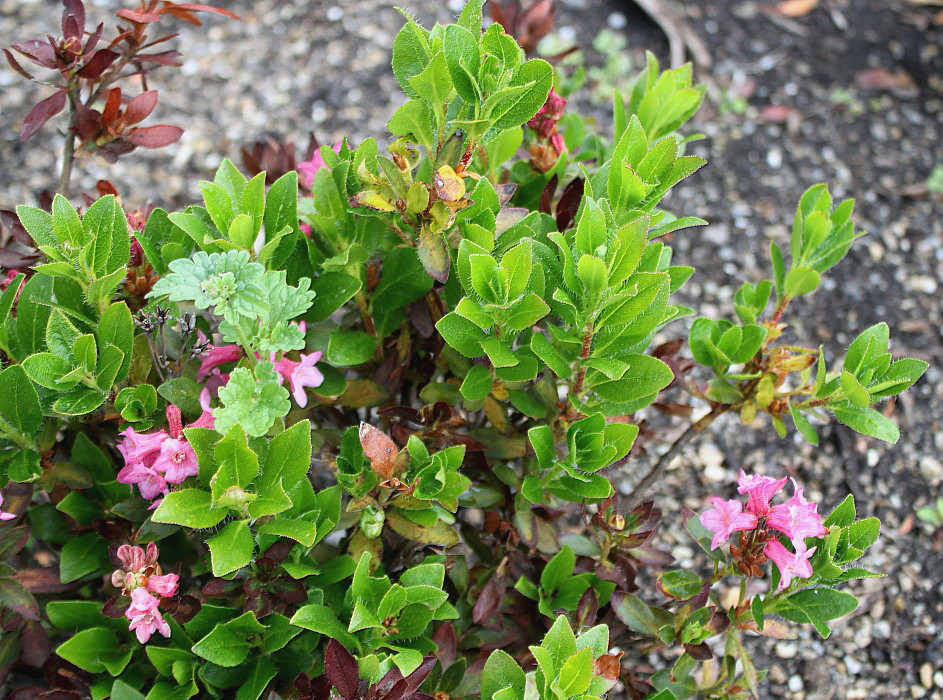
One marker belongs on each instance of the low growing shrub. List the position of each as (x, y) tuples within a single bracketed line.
[(356, 439)]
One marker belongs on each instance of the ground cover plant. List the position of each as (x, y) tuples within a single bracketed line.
[(350, 439)]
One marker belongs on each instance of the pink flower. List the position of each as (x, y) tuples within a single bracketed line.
[(144, 615), (300, 375), (796, 518), (219, 355), (177, 461), (5, 516), (165, 585), (140, 447), (307, 169), (725, 518), (791, 565), (150, 482), (136, 559), (761, 490), (558, 144), (215, 380)]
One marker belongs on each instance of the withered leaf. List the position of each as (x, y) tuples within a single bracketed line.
[(380, 449), (608, 666)]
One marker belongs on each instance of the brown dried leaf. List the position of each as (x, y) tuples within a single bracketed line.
[(379, 449), (609, 666), (882, 79), (795, 8)]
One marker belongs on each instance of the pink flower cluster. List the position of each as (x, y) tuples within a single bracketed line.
[(298, 374), (796, 518), (154, 460), (5, 516), (545, 121), (142, 580), (309, 168)]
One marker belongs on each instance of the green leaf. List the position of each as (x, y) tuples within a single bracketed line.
[(255, 405), (867, 421), (321, 619), (434, 255), (461, 334), (20, 405), (681, 584), (803, 426), (190, 508), (333, 289), (517, 108), (416, 120), (184, 393), (231, 549), (32, 315), (228, 643), (350, 348), (463, 58), (95, 650), (238, 464), (576, 673), (477, 384), (433, 84), (558, 570), (843, 514), (301, 531), (801, 280), (818, 605), (289, 456), (411, 54), (82, 556), (281, 212), (501, 672), (864, 533)]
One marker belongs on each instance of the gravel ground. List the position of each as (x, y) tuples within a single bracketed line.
[(291, 67)]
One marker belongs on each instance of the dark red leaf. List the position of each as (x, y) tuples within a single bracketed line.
[(16, 598), (154, 136), (45, 580), (446, 644), (139, 17), (42, 113), (94, 38), (569, 203), (416, 678), (88, 123), (197, 7), (489, 600), (342, 669), (140, 107), (39, 52), (546, 197), (166, 58), (185, 15), (13, 540), (14, 64), (73, 19), (97, 64), (701, 651), (112, 107), (36, 646)]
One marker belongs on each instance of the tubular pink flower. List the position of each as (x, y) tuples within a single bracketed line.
[(5, 516), (144, 616), (165, 585), (150, 482), (140, 447), (760, 489), (137, 559), (219, 355), (307, 169), (300, 375), (725, 518), (796, 518), (791, 565), (177, 461)]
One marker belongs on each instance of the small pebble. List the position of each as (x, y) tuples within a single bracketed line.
[(926, 675), (786, 650), (796, 684)]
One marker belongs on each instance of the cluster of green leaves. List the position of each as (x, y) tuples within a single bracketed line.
[(566, 668), (750, 370), (248, 483), (385, 623), (462, 79)]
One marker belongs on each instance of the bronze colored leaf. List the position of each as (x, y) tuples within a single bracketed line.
[(449, 187), (795, 8), (434, 255), (379, 449), (609, 666)]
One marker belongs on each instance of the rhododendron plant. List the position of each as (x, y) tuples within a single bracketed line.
[(371, 409)]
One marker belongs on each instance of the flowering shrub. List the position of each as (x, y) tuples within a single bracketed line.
[(355, 438)]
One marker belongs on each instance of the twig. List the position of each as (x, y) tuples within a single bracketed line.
[(656, 469), (68, 150), (681, 37)]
